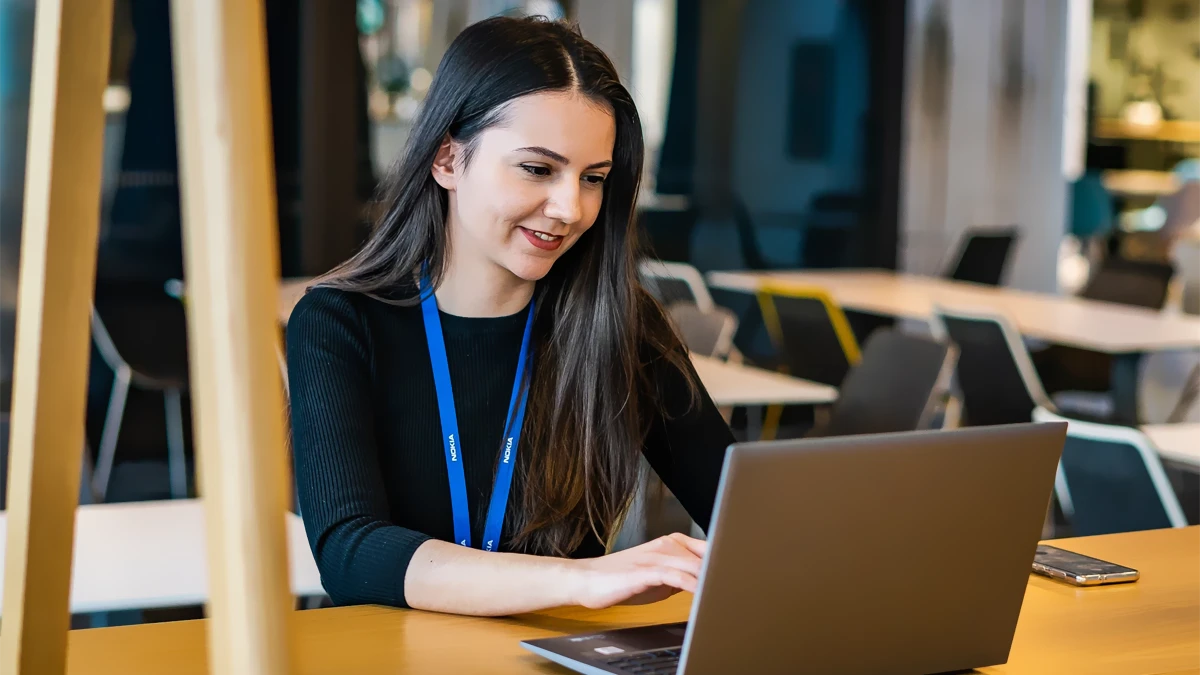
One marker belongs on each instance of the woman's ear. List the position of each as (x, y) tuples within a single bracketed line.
[(444, 161)]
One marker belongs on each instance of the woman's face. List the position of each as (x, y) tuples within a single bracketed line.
[(533, 185)]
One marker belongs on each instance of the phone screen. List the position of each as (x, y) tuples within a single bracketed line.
[(1076, 564)]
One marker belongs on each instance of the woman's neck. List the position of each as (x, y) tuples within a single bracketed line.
[(481, 288)]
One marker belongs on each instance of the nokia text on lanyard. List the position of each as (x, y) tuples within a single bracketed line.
[(452, 440)]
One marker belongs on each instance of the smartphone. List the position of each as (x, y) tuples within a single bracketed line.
[(1078, 569)]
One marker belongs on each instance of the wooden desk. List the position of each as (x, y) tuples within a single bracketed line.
[(1152, 626), (1099, 326), (731, 384), (143, 555), (1179, 443)]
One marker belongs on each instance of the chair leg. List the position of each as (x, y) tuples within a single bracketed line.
[(176, 460), (112, 429)]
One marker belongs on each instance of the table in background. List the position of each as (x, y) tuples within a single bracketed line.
[(1140, 183), (1151, 626), (1122, 331), (1100, 326), (146, 555), (732, 384)]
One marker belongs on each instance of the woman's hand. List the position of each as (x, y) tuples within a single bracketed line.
[(643, 574)]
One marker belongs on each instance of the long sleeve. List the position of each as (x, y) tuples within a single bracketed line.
[(362, 556), (687, 441)]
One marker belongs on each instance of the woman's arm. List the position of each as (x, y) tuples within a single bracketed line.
[(362, 556), (446, 577)]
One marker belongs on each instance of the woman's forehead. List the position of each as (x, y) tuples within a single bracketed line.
[(567, 123)]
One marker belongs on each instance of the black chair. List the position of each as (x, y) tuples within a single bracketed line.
[(898, 386), (1136, 283), (747, 235), (830, 231), (810, 333), (1117, 280), (983, 255), (706, 332), (995, 374), (141, 334), (1110, 479), (672, 282)]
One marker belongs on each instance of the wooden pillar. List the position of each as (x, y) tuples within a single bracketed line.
[(232, 265), (57, 277)]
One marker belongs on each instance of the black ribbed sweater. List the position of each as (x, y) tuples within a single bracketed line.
[(370, 467)]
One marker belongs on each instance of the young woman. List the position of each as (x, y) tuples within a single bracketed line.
[(470, 393)]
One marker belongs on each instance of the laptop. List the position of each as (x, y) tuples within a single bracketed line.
[(896, 553)]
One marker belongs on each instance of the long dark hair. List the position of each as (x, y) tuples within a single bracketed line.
[(590, 398)]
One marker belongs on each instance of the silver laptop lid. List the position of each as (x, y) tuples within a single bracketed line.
[(888, 553)]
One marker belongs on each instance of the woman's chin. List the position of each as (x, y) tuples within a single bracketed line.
[(529, 267)]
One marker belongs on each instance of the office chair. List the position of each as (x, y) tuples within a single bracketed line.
[(1134, 283), (983, 255), (995, 374), (672, 282), (899, 385), (125, 352), (747, 235), (812, 338), (809, 331), (709, 333), (1110, 479)]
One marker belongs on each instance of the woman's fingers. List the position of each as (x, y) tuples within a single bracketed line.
[(683, 563), (696, 546), (669, 576), (647, 573)]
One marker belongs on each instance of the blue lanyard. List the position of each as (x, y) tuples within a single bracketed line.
[(453, 441)]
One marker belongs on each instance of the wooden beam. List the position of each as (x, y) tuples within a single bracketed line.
[(232, 264), (57, 277)]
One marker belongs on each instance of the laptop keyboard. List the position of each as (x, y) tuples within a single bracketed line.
[(661, 662)]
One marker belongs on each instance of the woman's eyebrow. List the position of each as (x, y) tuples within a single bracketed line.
[(550, 154)]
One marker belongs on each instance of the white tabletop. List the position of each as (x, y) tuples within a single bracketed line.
[(1177, 442), (1100, 326), (142, 555), (732, 384)]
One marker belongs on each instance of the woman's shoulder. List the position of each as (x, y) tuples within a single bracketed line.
[(324, 304), (325, 309)]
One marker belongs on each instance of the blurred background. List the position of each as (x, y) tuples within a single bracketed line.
[(782, 135)]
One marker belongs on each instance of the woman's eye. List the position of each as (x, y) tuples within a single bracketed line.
[(535, 170), (595, 179)]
